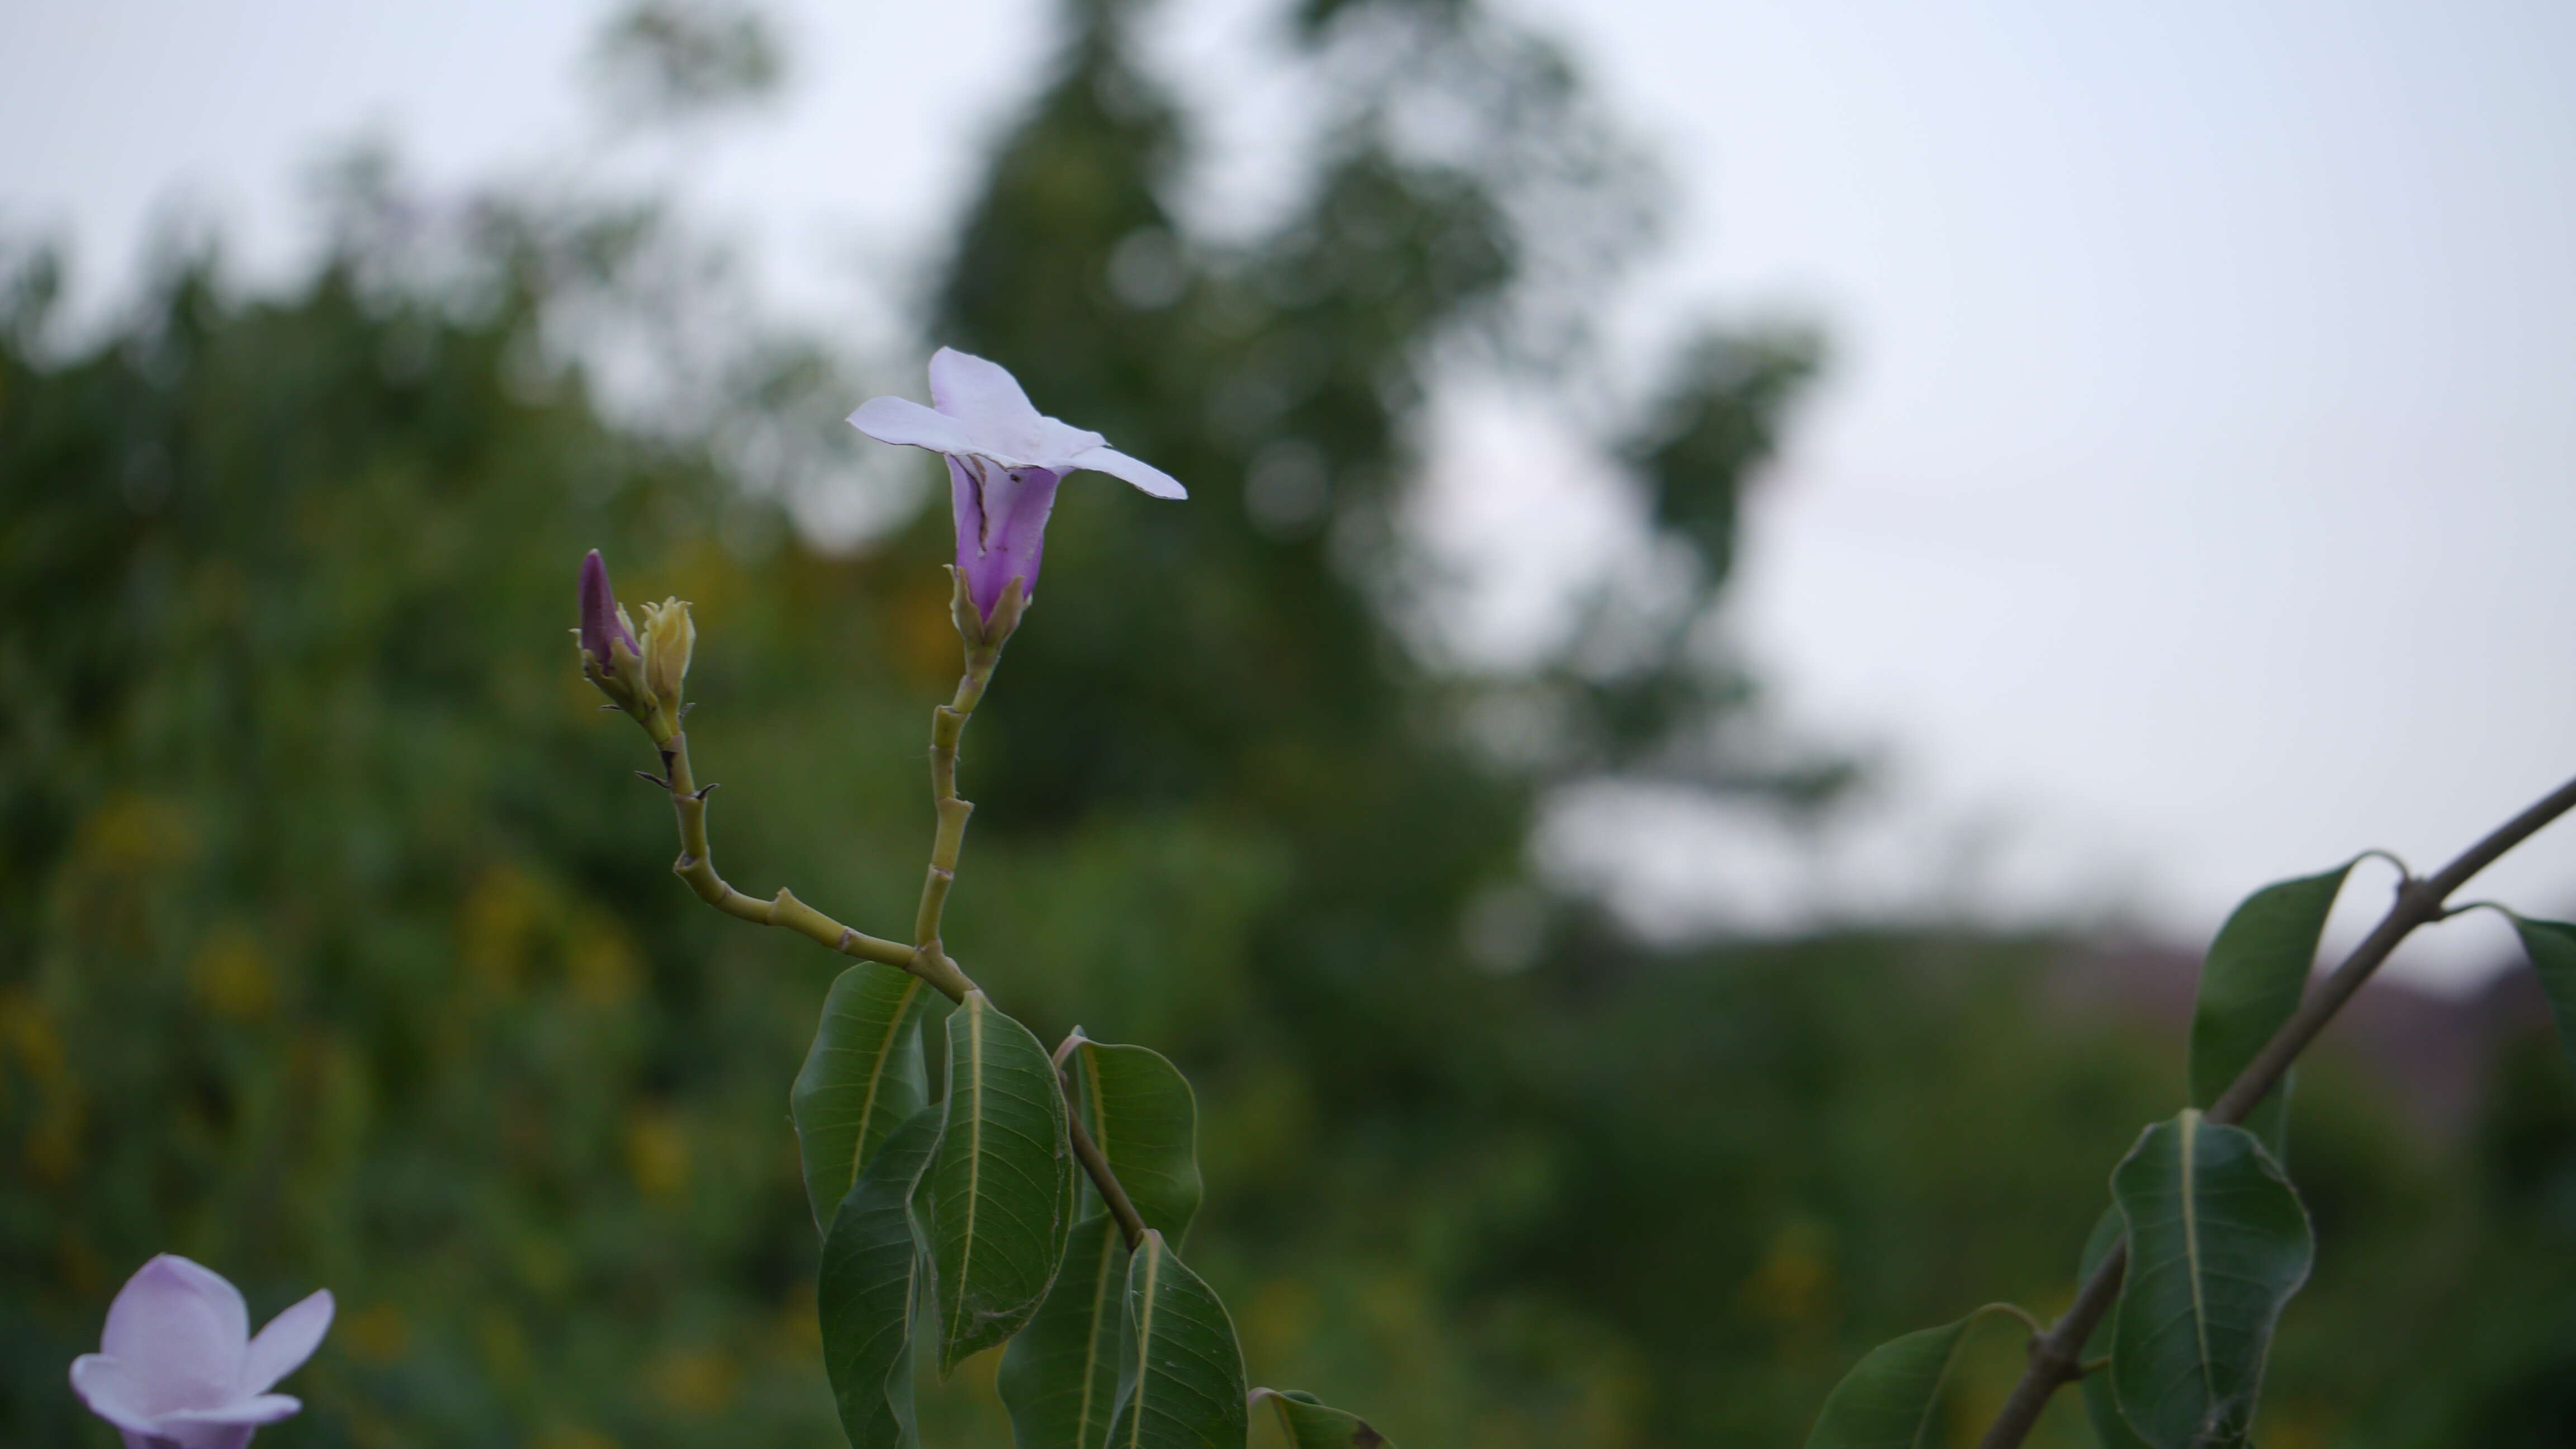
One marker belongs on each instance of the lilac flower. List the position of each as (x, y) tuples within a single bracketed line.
[(178, 1368), (1004, 461)]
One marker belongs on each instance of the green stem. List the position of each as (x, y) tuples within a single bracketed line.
[(947, 728), (925, 958), (697, 866)]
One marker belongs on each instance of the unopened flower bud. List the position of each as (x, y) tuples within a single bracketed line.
[(669, 638), (610, 657)]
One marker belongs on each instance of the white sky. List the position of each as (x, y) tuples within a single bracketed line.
[(2189, 504)]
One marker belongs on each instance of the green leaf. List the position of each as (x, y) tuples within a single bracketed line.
[(1002, 1185), (869, 1286), (1889, 1399), (2217, 1244), (2101, 1407), (2552, 947), (2256, 972), (1141, 1112), (1180, 1372), (1060, 1374), (862, 1079), (1309, 1424)]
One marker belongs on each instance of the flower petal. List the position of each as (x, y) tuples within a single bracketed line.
[(253, 1409), (229, 1427), (1144, 475), (1056, 444), (998, 417), (113, 1391), (182, 1330), (901, 420), (963, 385), (1001, 526), (966, 507), (286, 1342)]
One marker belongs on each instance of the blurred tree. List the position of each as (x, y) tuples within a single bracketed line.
[(668, 59), (340, 948)]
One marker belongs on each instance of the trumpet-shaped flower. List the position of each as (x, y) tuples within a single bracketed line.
[(177, 1367), (1004, 461)]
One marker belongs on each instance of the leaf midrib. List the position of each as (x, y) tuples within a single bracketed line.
[(1153, 1251), (2191, 1249), (1099, 1103), (1091, 1341), (1108, 1252), (876, 1078), (974, 1086)]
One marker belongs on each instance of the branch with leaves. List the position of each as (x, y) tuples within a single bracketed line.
[(1038, 1200), (960, 1223), (2206, 1240)]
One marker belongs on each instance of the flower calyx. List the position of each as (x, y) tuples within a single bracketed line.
[(985, 631)]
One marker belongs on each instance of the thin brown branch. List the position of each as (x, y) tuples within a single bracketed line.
[(696, 865), (2056, 1356), (926, 958), (1086, 1151), (1131, 1224)]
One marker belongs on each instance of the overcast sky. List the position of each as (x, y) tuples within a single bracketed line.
[(2189, 504)]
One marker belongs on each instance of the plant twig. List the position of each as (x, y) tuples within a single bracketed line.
[(2056, 1356), (947, 728), (1131, 1224), (696, 865), (926, 958)]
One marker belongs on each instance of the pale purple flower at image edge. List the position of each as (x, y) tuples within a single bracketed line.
[(177, 1367), (1005, 459)]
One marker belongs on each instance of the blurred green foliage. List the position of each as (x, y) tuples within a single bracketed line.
[(337, 944)]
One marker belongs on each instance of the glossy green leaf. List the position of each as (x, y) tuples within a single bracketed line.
[(1001, 1188), (862, 1079), (1180, 1372), (1060, 1375), (1310, 1424), (2218, 1242), (2101, 1406), (2251, 984), (869, 1287), (1141, 1112), (2552, 947), (1890, 1398)]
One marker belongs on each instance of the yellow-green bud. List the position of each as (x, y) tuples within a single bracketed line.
[(669, 638)]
